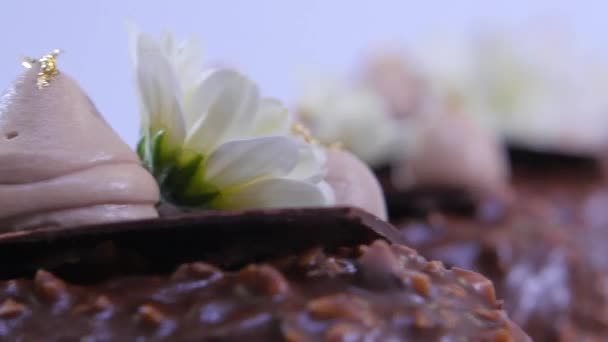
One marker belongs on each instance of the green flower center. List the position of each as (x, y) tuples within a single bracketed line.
[(180, 173)]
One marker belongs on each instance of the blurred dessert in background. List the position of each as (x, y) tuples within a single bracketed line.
[(414, 134), (451, 149), (545, 253), (499, 166), (398, 81), (543, 101)]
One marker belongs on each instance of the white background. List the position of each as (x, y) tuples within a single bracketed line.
[(269, 40)]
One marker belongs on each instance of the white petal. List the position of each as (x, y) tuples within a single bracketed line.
[(221, 109), (311, 163), (189, 62), (272, 118), (250, 101), (209, 88), (133, 35), (242, 161), (158, 89), (167, 44), (273, 193)]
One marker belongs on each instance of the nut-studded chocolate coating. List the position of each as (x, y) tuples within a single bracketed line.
[(378, 292)]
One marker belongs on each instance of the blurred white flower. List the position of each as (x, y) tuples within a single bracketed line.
[(542, 92), (538, 90), (350, 114), (212, 142)]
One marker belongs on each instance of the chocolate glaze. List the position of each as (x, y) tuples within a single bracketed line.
[(378, 292), (546, 252)]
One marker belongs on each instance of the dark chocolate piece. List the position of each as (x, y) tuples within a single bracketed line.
[(421, 201), (387, 293), (229, 239), (549, 160)]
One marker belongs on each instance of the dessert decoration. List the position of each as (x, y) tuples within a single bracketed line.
[(351, 114), (60, 163), (354, 183), (450, 149), (211, 141), (381, 291), (48, 67)]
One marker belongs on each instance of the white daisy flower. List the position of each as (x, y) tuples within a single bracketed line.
[(211, 141)]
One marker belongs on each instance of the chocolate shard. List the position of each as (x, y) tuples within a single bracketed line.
[(423, 200), (227, 238), (541, 161)]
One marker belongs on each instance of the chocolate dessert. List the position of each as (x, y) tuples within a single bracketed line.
[(378, 292), (545, 252), (87, 258)]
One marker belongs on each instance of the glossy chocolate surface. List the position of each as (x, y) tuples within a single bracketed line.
[(378, 292)]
